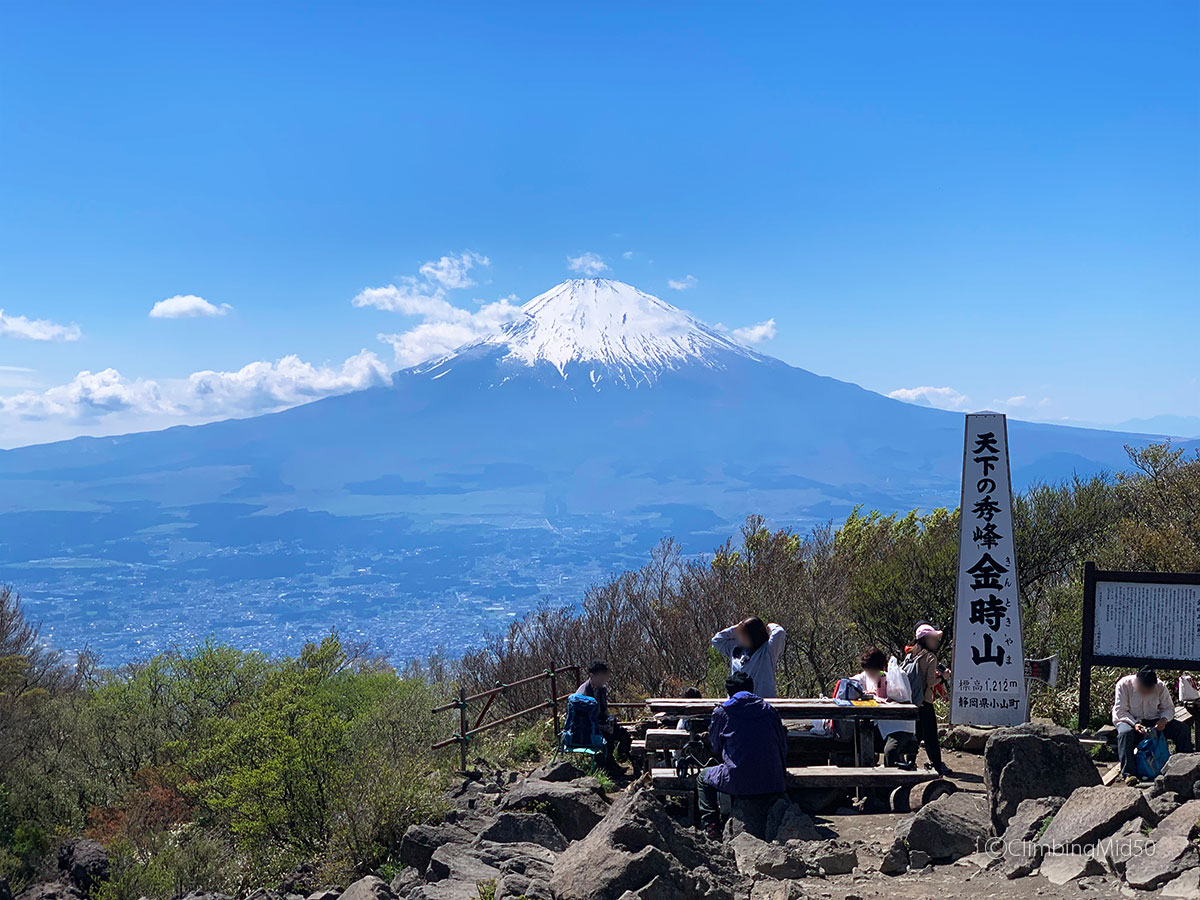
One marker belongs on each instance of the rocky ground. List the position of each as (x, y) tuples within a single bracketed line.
[(1030, 819)]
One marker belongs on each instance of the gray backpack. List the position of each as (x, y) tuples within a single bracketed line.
[(916, 684)]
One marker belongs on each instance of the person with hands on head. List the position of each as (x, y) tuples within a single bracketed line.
[(754, 648)]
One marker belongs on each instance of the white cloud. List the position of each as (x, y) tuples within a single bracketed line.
[(683, 284), (36, 329), (628, 254), (440, 334), (444, 325), (187, 306), (589, 264), (203, 396), (939, 397), (451, 271), (754, 334)]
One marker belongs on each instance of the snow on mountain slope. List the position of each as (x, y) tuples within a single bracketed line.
[(606, 328)]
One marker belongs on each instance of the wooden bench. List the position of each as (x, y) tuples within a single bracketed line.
[(909, 789)]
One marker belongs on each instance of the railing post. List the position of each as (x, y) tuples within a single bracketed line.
[(554, 698), (462, 725)]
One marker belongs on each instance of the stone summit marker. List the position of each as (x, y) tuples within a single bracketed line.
[(989, 685)]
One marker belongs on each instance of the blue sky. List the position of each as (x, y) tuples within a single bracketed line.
[(1002, 199)]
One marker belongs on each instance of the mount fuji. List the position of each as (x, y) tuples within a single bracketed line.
[(514, 471)]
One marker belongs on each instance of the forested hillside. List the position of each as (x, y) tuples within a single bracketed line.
[(215, 767)]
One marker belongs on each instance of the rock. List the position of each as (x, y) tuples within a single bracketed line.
[(1186, 886), (827, 857), (1180, 775), (369, 888), (84, 862), (918, 860), (487, 860), (301, 880), (514, 886), (952, 826), (786, 821), (332, 893), (982, 860), (1032, 761), (563, 770), (1163, 804), (404, 881), (574, 806), (1117, 849), (1181, 822), (419, 842), (53, 890), (967, 738), (895, 860), (778, 890), (1172, 857), (204, 895), (1020, 851), (533, 828), (636, 842), (1059, 868), (754, 857), (445, 890), (1091, 813)]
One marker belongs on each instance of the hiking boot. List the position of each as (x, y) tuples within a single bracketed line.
[(1131, 781)]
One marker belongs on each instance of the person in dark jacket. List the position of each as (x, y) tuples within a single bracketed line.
[(616, 738), (748, 736)]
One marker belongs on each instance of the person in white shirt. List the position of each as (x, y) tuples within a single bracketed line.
[(1143, 705), (755, 648), (897, 739)]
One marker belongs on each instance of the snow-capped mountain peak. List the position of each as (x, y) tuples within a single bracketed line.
[(610, 326)]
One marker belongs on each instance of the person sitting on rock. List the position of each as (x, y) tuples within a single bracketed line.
[(748, 736), (616, 738), (1143, 705)]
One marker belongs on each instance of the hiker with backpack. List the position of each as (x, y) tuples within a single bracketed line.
[(748, 736), (1142, 709), (617, 739), (755, 648), (922, 662), (897, 738)]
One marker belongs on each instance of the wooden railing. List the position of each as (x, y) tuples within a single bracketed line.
[(466, 730)]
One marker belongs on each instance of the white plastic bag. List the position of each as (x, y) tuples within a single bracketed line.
[(897, 683), (1186, 688)]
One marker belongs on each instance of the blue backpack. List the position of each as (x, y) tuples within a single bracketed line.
[(582, 728), (1150, 755)]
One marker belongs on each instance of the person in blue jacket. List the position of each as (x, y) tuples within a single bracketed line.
[(748, 736), (755, 648)]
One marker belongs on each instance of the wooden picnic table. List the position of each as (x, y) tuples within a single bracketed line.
[(800, 708)]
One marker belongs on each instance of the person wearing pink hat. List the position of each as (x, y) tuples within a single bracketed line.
[(924, 652)]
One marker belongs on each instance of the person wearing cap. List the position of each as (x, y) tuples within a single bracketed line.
[(924, 652), (1143, 705)]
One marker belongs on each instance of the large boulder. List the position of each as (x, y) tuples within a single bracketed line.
[(1172, 857), (1091, 813), (1181, 822), (968, 738), (575, 806), (953, 826), (1122, 845), (84, 862), (1059, 868), (369, 888), (523, 827), (1032, 761), (638, 843), (1185, 886), (1022, 853), (756, 858), (563, 770), (786, 821), (1180, 775), (420, 841)]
